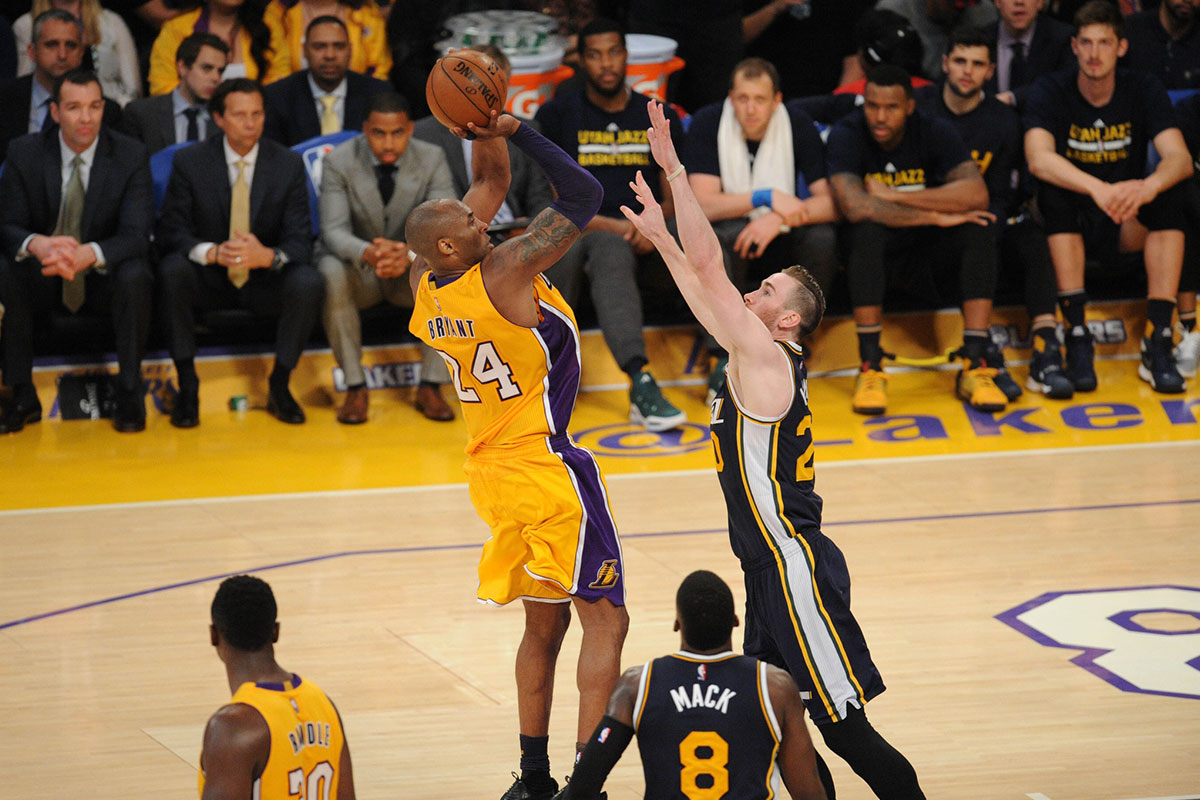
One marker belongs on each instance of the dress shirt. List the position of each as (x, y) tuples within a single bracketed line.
[(199, 252), (67, 155), (39, 106), (1004, 54), (339, 107), (178, 106)]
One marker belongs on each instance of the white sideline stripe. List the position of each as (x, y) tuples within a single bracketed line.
[(1036, 796), (636, 476)]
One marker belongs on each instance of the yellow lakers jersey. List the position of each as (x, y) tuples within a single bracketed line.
[(516, 384), (306, 740)]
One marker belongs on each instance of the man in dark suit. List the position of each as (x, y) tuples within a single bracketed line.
[(325, 98), (1028, 44), (181, 115), (235, 232), (76, 231), (55, 49)]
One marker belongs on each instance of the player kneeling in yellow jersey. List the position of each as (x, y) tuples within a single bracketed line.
[(280, 737)]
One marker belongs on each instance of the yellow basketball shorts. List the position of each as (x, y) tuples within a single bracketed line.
[(553, 535)]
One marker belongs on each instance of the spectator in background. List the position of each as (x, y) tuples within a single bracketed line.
[(1165, 42), (364, 23), (757, 167), (56, 49), (327, 96), (369, 185), (182, 114), (992, 132), (1027, 44), (76, 222), (110, 51), (603, 127), (810, 42), (1187, 352), (528, 190), (235, 232), (913, 196), (8, 52), (1087, 133), (934, 19), (257, 47)]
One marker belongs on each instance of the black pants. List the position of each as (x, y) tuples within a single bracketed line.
[(875, 249), (1024, 251), (294, 294), (31, 300)]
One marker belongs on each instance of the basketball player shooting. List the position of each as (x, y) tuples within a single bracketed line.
[(797, 585), (512, 345)]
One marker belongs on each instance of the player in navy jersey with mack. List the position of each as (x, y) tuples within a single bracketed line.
[(1087, 133), (992, 132), (797, 585), (709, 723)]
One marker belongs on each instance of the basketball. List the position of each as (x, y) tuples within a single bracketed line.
[(465, 86)]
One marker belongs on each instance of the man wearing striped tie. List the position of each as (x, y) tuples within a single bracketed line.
[(235, 233)]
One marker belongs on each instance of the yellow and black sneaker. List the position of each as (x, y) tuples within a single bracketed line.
[(977, 385), (870, 391)]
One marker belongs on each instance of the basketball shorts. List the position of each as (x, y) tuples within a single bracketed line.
[(1065, 211), (553, 535), (798, 618)]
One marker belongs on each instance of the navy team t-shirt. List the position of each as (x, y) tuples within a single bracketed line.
[(1108, 142), (930, 149)]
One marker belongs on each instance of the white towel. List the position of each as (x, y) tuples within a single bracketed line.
[(774, 163)]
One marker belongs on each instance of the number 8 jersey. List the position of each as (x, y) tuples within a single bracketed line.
[(706, 729), (516, 384)]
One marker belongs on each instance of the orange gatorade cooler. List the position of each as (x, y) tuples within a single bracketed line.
[(534, 79), (651, 61)]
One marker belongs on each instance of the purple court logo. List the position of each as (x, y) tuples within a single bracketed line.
[(1140, 639), (633, 441)]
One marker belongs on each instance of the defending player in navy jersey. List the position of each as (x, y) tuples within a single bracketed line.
[(797, 586), (993, 134), (709, 723)]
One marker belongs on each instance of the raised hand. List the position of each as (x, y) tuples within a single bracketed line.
[(659, 134), (500, 125), (650, 222)]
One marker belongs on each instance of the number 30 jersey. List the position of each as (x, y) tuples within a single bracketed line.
[(516, 384), (706, 729)]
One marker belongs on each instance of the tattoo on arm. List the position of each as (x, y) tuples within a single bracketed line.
[(548, 237), (858, 206)]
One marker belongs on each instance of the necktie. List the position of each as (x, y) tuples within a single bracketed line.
[(387, 181), (329, 119), (193, 126), (70, 217), (1016, 67), (239, 219), (47, 120)]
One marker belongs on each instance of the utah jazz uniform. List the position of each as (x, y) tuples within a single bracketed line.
[(706, 728), (544, 498), (797, 585), (306, 740)]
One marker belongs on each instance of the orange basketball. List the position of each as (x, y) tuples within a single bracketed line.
[(465, 86)]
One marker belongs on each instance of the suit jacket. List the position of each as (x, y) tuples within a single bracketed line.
[(14, 121), (1050, 51), (528, 194), (351, 208), (151, 120), (117, 209), (292, 110), (196, 205)]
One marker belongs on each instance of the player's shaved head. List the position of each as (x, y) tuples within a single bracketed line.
[(808, 300), (429, 222), (704, 605)]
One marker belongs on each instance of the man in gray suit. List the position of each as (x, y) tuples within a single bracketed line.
[(182, 114), (368, 187)]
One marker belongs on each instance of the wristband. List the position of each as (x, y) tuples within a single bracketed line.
[(675, 173), (760, 198)]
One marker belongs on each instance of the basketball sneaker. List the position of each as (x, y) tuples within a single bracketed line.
[(870, 391), (648, 407), (977, 385), (1004, 381), (1158, 364), (1187, 352), (1046, 370), (1081, 355), (716, 379), (519, 791)]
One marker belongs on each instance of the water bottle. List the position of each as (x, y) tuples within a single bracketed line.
[(802, 11)]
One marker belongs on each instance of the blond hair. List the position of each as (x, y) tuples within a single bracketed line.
[(89, 11)]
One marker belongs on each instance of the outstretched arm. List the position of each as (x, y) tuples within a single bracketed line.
[(757, 365)]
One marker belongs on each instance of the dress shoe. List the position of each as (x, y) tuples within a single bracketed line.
[(130, 413), (21, 411), (354, 410), (186, 411), (283, 407), (430, 403)]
